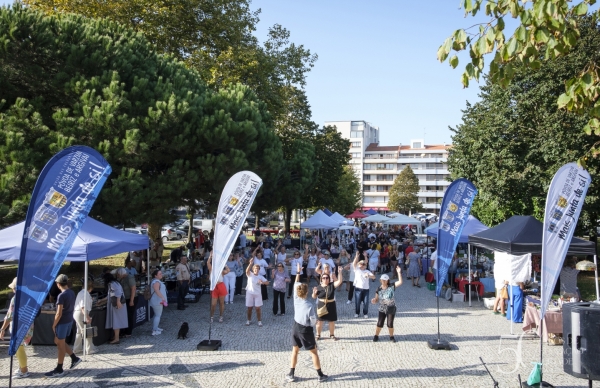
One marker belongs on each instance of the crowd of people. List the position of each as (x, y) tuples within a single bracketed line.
[(266, 265)]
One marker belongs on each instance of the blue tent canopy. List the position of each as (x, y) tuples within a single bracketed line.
[(328, 212), (371, 212), (472, 226), (95, 240)]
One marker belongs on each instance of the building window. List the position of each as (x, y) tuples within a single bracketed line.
[(366, 177), (356, 134), (436, 177), (417, 144), (366, 188), (431, 166), (383, 188), (355, 155), (356, 144)]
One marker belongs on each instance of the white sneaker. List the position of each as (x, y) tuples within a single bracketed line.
[(355, 315), (259, 323), (247, 323), (348, 302), (17, 374), (226, 302), (156, 332), (366, 316), (159, 329)]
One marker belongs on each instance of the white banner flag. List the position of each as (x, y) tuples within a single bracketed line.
[(563, 205), (234, 205)]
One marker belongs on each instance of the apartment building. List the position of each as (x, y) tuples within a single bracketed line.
[(378, 166)]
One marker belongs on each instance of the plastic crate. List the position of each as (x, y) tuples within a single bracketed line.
[(431, 286), (458, 297)]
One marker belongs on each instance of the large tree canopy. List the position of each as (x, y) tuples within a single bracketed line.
[(70, 80), (512, 142), (404, 192), (547, 29), (177, 27)]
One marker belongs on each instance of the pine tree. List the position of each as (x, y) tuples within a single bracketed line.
[(403, 194)]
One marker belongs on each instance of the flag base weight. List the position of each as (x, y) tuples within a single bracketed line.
[(542, 384), (209, 345), (438, 345)]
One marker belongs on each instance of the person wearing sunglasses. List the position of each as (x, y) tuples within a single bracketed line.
[(280, 278), (294, 262), (325, 295)]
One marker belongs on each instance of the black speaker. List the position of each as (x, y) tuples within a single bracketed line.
[(581, 335)]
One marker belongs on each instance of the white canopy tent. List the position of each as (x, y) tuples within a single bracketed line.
[(401, 219), (376, 218), (320, 220)]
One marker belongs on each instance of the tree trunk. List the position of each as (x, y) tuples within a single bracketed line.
[(154, 231), (287, 219), (190, 216)]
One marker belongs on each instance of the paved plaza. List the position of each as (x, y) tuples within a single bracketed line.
[(259, 356)]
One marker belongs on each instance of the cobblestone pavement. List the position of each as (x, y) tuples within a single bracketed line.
[(259, 356)]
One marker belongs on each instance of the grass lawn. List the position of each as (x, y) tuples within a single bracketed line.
[(74, 271)]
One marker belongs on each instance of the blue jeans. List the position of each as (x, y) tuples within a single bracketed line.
[(158, 309), (361, 295)]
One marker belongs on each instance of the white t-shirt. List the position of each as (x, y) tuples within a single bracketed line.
[(329, 261), (79, 301), (262, 263), (361, 278), (281, 258), (374, 256), (312, 261), (294, 263), (435, 261), (253, 287)]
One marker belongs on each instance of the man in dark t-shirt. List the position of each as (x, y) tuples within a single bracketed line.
[(63, 322)]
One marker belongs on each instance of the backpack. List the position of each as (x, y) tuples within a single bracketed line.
[(148, 292)]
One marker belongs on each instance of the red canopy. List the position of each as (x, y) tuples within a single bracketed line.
[(356, 214)]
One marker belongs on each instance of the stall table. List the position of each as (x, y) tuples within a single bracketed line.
[(463, 283), (488, 284), (553, 322), (43, 334)]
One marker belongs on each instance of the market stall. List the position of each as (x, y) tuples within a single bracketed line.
[(553, 322), (94, 240)]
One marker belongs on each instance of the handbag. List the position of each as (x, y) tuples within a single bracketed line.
[(504, 293), (322, 311), (113, 300), (91, 331)]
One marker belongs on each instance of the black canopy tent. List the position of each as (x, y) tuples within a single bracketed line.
[(520, 235)]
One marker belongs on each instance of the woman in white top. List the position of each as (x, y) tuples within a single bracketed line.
[(81, 314), (263, 267), (253, 291), (310, 256), (281, 255), (373, 258), (230, 278), (294, 262)]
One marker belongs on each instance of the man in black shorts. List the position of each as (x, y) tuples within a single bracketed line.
[(303, 334)]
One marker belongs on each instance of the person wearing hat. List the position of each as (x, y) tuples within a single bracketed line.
[(325, 260), (22, 372), (63, 322), (387, 305)]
